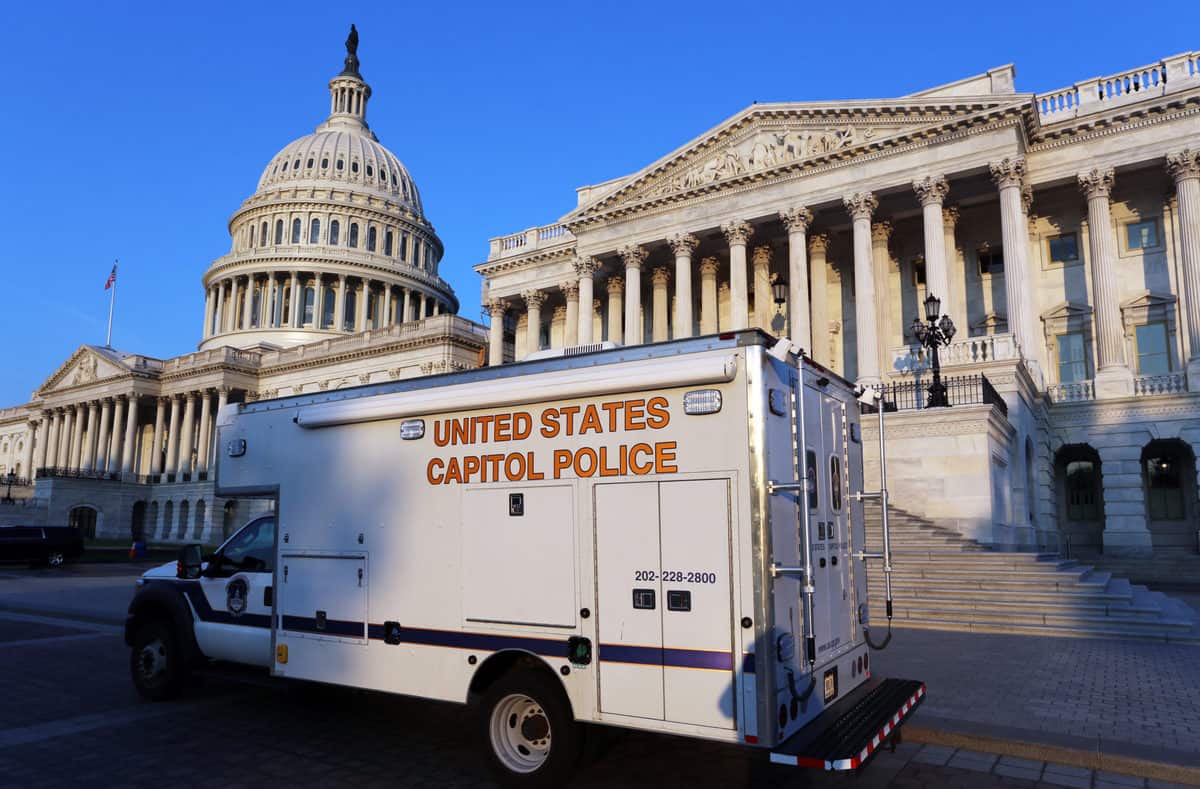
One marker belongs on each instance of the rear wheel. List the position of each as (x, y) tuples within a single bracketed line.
[(155, 663), (56, 559), (531, 737)]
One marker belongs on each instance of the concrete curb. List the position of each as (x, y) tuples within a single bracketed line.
[(1023, 746)]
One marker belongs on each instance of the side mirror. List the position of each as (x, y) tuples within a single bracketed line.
[(189, 563)]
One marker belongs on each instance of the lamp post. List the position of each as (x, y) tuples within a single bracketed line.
[(933, 336), (11, 478)]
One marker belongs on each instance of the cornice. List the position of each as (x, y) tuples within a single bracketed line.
[(518, 261), (1149, 408), (1091, 128), (458, 339)]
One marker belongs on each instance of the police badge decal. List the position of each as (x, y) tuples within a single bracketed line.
[(235, 596)]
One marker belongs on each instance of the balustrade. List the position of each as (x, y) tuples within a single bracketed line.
[(1078, 391), (1168, 383), (529, 240), (1093, 95), (968, 350)]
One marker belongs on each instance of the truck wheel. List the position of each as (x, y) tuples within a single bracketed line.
[(531, 736), (56, 559), (155, 663)]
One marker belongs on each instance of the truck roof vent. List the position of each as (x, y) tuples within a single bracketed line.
[(574, 350)]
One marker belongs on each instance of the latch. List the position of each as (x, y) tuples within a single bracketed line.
[(360, 573)]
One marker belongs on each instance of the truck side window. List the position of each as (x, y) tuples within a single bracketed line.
[(810, 470), (252, 549), (835, 482)]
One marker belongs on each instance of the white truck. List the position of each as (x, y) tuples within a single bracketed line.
[(666, 537)]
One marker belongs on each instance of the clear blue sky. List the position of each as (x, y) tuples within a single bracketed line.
[(134, 130)]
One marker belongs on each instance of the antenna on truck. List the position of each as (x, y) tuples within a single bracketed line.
[(873, 396)]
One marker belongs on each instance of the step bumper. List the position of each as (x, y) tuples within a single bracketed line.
[(845, 736)]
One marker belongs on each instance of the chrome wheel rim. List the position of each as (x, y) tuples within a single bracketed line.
[(152, 661), (520, 733), (55, 559)]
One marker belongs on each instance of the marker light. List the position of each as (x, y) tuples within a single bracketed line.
[(412, 428), (702, 401), (281, 653)]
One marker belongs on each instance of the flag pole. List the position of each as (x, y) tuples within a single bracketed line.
[(111, 300)]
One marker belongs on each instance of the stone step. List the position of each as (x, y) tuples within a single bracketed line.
[(1050, 604), (906, 589), (966, 581), (981, 572), (1116, 632), (1131, 624), (1017, 561)]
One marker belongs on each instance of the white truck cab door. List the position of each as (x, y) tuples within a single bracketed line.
[(233, 614)]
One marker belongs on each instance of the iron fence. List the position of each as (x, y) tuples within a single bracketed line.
[(960, 390)]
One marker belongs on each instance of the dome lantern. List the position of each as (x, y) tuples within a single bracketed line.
[(348, 93)]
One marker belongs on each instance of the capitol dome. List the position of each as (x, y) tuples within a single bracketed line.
[(334, 239)]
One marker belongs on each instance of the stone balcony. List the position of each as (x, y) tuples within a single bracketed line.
[(1143, 386), (915, 359), (532, 240), (1100, 94)]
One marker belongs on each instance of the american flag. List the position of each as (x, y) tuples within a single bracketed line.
[(112, 278)]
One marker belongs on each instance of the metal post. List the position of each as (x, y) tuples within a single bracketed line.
[(883, 503)]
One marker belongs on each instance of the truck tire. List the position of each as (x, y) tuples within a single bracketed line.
[(155, 662), (532, 739), (56, 558)]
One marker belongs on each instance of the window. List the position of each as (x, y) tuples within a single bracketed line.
[(810, 470), (428, 258), (991, 261), (1164, 487), (327, 309), (371, 239), (835, 482), (1082, 484), (403, 245), (310, 163), (341, 165), (325, 163), (296, 230), (354, 167), (1141, 235), (278, 231), (387, 243), (252, 549), (296, 166), (416, 251), (370, 171), (285, 165), (285, 317), (335, 228), (1153, 356), (354, 234), (309, 297), (351, 309), (314, 231), (263, 242), (918, 271), (1072, 361), (1063, 248), (255, 306)]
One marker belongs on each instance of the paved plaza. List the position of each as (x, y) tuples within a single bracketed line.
[(71, 715)]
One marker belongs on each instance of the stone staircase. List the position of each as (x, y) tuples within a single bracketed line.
[(943, 581)]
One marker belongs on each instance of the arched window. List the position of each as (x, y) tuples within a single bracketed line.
[(278, 231), (151, 519), (370, 239), (310, 163), (255, 306), (416, 251), (325, 163), (348, 319), (341, 165), (403, 245), (353, 234), (296, 166), (314, 231), (296, 230), (354, 167), (328, 308), (201, 507), (309, 297), (263, 242), (370, 171), (168, 517), (335, 228), (181, 533), (387, 243), (285, 317)]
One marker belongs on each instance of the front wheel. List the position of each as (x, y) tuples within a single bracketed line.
[(531, 737), (56, 559), (155, 663)]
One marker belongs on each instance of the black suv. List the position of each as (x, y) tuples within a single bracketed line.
[(51, 545)]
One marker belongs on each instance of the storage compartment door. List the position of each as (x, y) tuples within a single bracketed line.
[(838, 592), (697, 626), (323, 597), (629, 598)]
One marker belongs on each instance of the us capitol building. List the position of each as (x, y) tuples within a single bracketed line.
[(1061, 232)]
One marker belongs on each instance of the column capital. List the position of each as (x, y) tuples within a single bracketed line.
[(762, 255), (108, 399), (560, 312), (615, 285), (881, 232), (796, 219), (570, 289), (533, 298), (496, 308), (163, 399), (861, 204), (1097, 182), (1184, 164), (932, 189), (660, 276), (1026, 198), (224, 390), (633, 255), (585, 266), (709, 266), (737, 231), (818, 243), (950, 215), (1009, 171), (683, 244)]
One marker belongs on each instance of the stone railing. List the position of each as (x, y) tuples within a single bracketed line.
[(1076, 392), (1168, 383), (433, 326), (1175, 73), (220, 355), (913, 359), (529, 240)]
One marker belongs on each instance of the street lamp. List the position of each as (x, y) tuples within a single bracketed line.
[(933, 336), (11, 478), (779, 290)]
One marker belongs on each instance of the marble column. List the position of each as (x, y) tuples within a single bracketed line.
[(659, 330), (737, 233), (764, 299), (112, 462), (616, 310), (888, 333), (633, 257), (208, 313), (496, 309), (533, 328), (55, 418), (222, 401), (362, 293), (861, 205), (32, 438), (406, 315), (172, 461), (156, 453), (709, 307), (186, 434), (43, 444), (131, 421), (570, 291), (954, 303), (205, 428), (87, 459), (931, 192), (383, 313), (234, 297), (104, 436), (1184, 167), (683, 245), (217, 325), (74, 436), (295, 303), (796, 222), (1114, 378), (248, 298), (1009, 176), (66, 438), (584, 269), (339, 309)]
